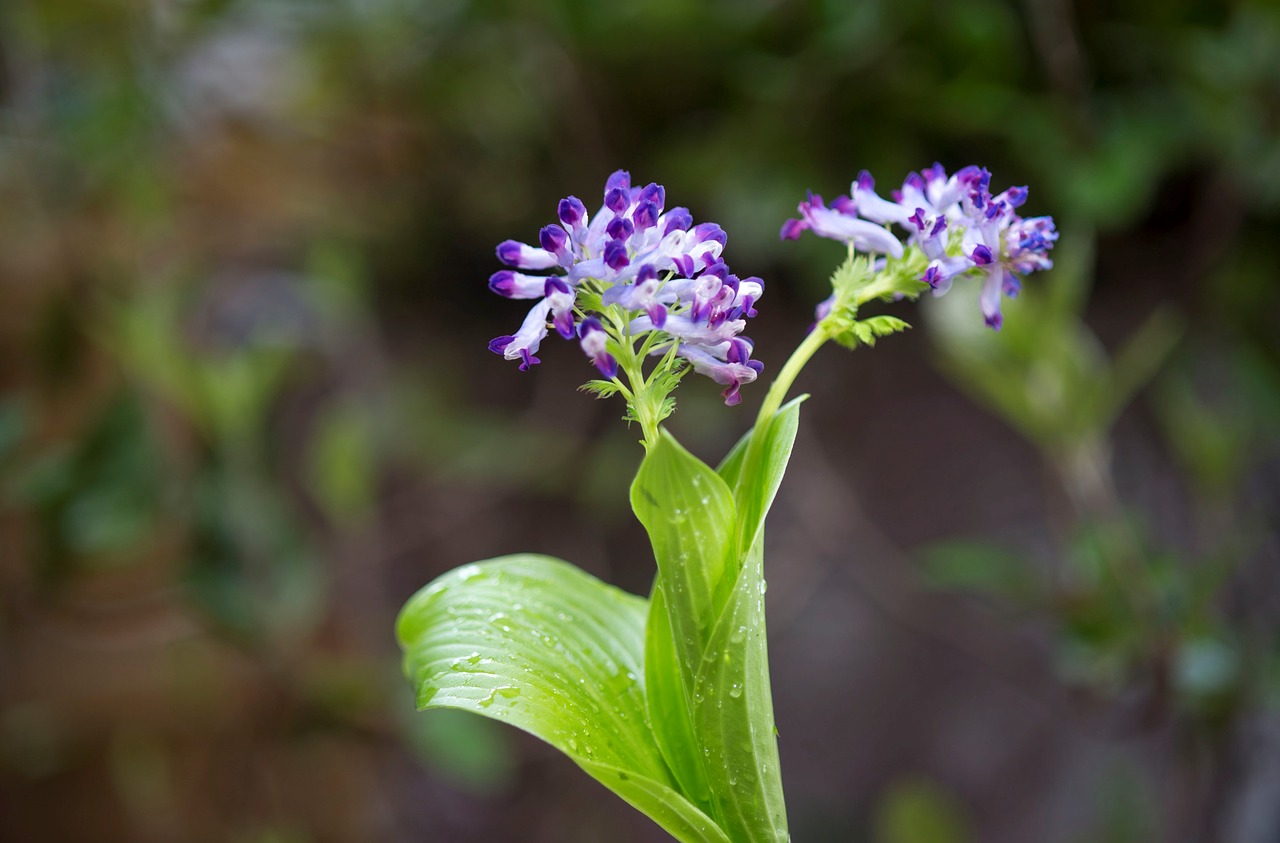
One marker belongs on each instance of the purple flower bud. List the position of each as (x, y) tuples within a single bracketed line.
[(645, 216), (516, 285), (615, 254), (981, 255), (571, 211), (617, 200), (655, 193), (646, 273), (620, 180), (619, 228), (553, 238), (523, 256), (677, 219)]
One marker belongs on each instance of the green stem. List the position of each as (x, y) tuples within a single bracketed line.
[(791, 369)]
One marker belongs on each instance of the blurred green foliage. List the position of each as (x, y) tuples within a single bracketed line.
[(242, 253)]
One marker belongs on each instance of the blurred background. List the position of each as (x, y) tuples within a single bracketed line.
[(1023, 586)]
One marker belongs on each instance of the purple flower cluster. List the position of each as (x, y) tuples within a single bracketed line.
[(954, 220), (653, 270)]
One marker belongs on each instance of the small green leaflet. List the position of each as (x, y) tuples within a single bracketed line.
[(867, 331)]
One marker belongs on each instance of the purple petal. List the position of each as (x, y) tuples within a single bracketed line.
[(677, 219), (655, 193), (619, 179), (571, 211), (791, 229), (615, 254), (619, 228)]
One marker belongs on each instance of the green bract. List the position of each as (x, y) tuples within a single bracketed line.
[(665, 701)]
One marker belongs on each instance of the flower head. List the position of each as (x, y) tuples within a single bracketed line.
[(954, 222), (634, 278)]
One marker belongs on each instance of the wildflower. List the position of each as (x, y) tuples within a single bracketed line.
[(841, 222), (631, 270), (954, 221)]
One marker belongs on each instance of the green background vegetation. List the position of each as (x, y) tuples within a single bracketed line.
[(1021, 588)]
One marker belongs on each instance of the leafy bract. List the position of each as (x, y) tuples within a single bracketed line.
[(706, 656), (755, 488), (689, 513), (534, 642), (669, 711)]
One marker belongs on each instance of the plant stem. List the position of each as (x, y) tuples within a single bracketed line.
[(790, 370)]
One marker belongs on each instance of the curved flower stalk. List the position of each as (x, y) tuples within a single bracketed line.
[(667, 700), (633, 280)]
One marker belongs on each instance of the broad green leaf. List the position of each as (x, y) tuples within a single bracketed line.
[(534, 642), (669, 709), (733, 715), (717, 726), (688, 512)]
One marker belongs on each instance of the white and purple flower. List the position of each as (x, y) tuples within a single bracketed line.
[(955, 222), (653, 271)]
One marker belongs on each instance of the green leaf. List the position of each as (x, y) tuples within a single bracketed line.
[(733, 715), (755, 486), (600, 388), (689, 514), (880, 326), (534, 642), (669, 710), (716, 727)]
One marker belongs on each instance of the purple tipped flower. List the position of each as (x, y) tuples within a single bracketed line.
[(525, 257), (840, 222), (571, 211), (645, 268), (955, 221)]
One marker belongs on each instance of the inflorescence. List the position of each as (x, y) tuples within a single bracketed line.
[(632, 280), (955, 221)]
